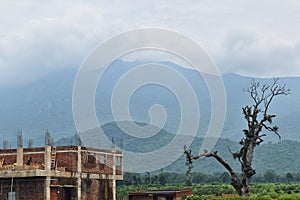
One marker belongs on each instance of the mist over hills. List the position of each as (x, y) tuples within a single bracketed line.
[(47, 104)]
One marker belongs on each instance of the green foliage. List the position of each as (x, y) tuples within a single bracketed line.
[(162, 179), (201, 178), (270, 176), (289, 177), (217, 191)]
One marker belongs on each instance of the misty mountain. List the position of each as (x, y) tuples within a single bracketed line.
[(47, 104)]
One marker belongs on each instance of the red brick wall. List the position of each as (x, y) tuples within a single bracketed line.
[(97, 161), (96, 189), (8, 159), (33, 188), (140, 198), (26, 189), (57, 193), (37, 158), (66, 157), (67, 160), (187, 192), (92, 163)]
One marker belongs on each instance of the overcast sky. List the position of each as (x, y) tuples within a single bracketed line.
[(257, 38)]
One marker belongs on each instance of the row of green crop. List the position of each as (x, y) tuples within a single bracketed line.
[(252, 197), (219, 190), (258, 191)]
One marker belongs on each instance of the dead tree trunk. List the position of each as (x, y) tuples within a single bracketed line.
[(258, 119)]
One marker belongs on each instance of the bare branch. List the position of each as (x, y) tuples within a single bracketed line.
[(258, 119), (235, 155), (273, 129)]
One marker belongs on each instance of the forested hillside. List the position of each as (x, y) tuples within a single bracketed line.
[(281, 156)]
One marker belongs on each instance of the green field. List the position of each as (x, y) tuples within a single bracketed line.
[(280, 191)]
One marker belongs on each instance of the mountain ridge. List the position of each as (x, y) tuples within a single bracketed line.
[(47, 104)]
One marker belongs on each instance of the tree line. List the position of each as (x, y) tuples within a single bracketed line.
[(164, 178)]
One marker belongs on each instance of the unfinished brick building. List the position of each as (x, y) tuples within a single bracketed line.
[(59, 173)]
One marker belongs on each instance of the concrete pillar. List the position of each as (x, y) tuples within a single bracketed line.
[(20, 150), (114, 188), (106, 186), (114, 173), (47, 159), (79, 170), (19, 157), (47, 188)]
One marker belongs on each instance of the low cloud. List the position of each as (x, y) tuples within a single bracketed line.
[(252, 54), (42, 45), (256, 38)]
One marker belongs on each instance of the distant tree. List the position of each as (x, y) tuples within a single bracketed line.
[(258, 120), (127, 179), (147, 178), (198, 177), (162, 179), (296, 177), (289, 177), (139, 180), (270, 176), (225, 177), (135, 181), (154, 179)]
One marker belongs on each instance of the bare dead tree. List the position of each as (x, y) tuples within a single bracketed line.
[(258, 120)]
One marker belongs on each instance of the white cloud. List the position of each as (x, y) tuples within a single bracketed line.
[(42, 45), (251, 54), (249, 37)]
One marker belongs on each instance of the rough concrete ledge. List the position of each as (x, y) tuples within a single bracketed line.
[(22, 173), (39, 173)]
